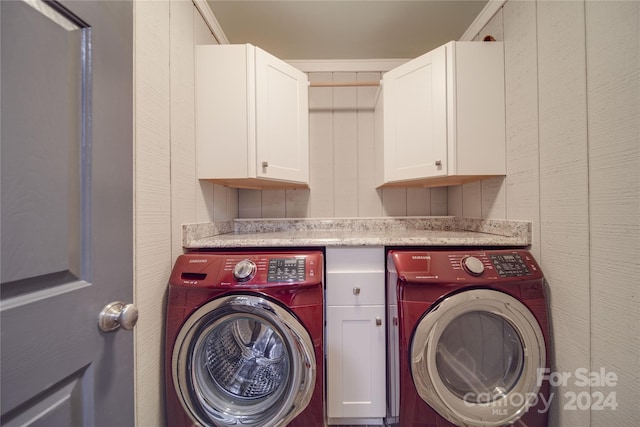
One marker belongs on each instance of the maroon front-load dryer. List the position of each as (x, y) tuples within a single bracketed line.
[(244, 339), (468, 339)]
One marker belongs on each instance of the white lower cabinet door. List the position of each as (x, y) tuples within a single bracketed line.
[(356, 362)]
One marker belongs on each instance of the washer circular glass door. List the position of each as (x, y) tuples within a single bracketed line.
[(475, 358), (243, 359)]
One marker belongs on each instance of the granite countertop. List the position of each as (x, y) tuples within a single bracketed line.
[(395, 231)]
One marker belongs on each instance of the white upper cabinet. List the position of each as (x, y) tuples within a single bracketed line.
[(440, 118), (252, 119)]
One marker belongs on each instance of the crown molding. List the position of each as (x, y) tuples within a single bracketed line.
[(483, 18), (211, 21)]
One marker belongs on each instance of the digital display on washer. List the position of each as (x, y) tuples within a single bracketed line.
[(286, 270), (510, 265)]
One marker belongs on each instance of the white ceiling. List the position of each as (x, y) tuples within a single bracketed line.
[(345, 29)]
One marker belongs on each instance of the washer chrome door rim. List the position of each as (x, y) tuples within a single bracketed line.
[(283, 404), (503, 408)]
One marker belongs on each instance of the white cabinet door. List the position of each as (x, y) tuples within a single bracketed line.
[(355, 348), (415, 118), (282, 120), (443, 117), (252, 118)]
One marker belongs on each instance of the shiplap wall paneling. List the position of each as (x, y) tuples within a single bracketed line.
[(494, 198), (472, 200), (321, 179), (521, 98), (394, 202), (614, 202), (297, 202), (415, 201), (224, 203), (454, 200), (369, 204), (438, 200), (345, 147), (249, 204), (274, 204), (564, 204), (418, 201), (232, 204), (152, 200), (182, 91)]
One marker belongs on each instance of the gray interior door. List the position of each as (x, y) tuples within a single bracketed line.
[(66, 211)]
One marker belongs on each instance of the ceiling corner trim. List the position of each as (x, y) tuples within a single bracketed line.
[(211, 21), (483, 18)]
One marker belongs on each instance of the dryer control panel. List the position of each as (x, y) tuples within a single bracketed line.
[(472, 266), (509, 265)]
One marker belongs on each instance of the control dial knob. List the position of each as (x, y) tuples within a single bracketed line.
[(472, 265), (244, 270)]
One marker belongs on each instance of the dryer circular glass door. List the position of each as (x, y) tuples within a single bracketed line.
[(475, 358), (243, 360)]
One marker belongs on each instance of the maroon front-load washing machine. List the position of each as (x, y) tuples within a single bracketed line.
[(244, 339), (468, 338)]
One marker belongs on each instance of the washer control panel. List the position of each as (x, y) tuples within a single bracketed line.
[(248, 270), (286, 270)]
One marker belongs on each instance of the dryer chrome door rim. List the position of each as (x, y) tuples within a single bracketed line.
[(448, 383), (248, 337)]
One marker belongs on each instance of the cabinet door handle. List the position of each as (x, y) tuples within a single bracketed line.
[(265, 164), (438, 162), (378, 321), (356, 291)]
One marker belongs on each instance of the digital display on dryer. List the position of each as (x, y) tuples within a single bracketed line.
[(286, 270), (510, 265)]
